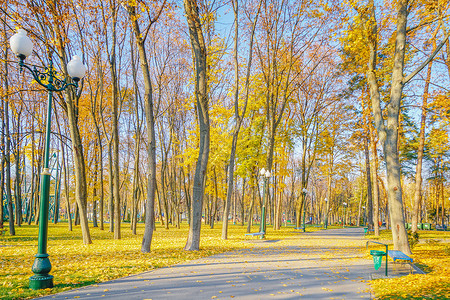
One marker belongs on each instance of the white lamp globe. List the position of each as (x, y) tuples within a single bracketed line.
[(75, 68), (268, 174), (262, 172), (305, 190), (21, 44)]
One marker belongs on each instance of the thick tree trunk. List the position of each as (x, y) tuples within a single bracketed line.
[(388, 135), (394, 187)]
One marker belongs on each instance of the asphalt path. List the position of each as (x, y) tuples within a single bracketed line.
[(326, 264)]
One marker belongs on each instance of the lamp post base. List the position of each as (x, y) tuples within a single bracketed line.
[(38, 282), (41, 268)]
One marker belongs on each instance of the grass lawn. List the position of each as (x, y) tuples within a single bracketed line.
[(431, 254)]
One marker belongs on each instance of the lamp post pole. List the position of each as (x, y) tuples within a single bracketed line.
[(304, 208), (22, 46), (343, 220), (262, 228), (364, 216), (325, 222)]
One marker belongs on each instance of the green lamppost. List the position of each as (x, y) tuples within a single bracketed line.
[(304, 208), (364, 216), (266, 174), (325, 222), (22, 47), (343, 220)]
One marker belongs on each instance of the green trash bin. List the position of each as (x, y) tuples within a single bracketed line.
[(426, 226), (377, 256)]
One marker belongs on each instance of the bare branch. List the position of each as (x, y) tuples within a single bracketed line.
[(426, 62)]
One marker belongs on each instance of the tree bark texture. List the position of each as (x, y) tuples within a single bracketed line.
[(201, 94), (150, 120)]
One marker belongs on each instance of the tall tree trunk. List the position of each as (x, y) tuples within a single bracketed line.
[(238, 116), (388, 134), (369, 184), (94, 190), (57, 191), (7, 150), (376, 190), (2, 181), (423, 119), (17, 180), (66, 188), (78, 158), (201, 95), (137, 148), (252, 203), (111, 187), (115, 123), (80, 169), (150, 120)]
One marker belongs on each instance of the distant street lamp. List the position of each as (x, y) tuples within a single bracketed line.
[(266, 174), (325, 222), (364, 216), (343, 221), (22, 47), (304, 208)]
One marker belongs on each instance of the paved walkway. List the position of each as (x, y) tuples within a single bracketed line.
[(326, 264)]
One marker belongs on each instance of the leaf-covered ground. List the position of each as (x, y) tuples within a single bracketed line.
[(75, 265), (431, 254)]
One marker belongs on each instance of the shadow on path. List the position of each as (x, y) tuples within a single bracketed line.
[(321, 265)]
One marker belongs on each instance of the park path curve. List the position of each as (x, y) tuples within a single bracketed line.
[(326, 264)]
